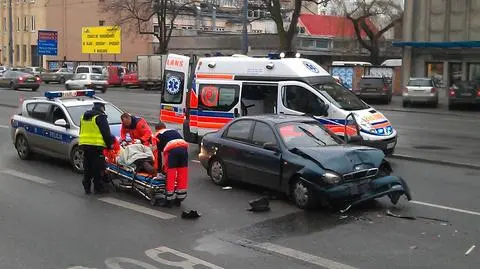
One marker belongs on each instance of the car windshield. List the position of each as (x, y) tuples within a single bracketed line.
[(76, 112), (301, 135), (340, 96), (420, 83)]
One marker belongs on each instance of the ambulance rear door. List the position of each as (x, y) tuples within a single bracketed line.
[(218, 101), (174, 91)]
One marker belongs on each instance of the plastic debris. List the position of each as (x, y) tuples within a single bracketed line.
[(227, 188), (345, 209), (470, 250), (343, 217), (389, 213), (192, 214), (259, 205), (443, 224), (413, 247)]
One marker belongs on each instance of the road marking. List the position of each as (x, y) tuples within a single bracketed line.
[(195, 161), (138, 208), (27, 176), (303, 256), (447, 208), (4, 126)]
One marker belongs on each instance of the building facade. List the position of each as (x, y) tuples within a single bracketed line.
[(67, 17), (441, 39)]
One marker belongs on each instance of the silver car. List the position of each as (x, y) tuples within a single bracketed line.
[(60, 76), (51, 125), (420, 90), (87, 81)]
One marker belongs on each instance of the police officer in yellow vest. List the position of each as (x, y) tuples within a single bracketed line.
[(95, 136)]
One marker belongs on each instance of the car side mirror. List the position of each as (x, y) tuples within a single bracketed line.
[(355, 139), (271, 146), (61, 123)]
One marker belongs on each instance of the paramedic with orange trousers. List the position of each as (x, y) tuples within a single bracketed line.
[(172, 152), (137, 128)]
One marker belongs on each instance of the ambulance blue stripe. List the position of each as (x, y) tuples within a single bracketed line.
[(206, 113)]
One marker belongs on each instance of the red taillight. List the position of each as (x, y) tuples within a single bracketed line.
[(20, 78), (433, 90), (451, 92), (38, 79), (478, 92)]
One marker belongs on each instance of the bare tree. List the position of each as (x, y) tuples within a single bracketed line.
[(278, 14), (362, 13), (137, 15)]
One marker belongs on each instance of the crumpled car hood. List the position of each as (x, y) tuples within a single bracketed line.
[(344, 158)]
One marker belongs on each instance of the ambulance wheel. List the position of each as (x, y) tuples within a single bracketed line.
[(23, 148), (217, 172), (76, 159)]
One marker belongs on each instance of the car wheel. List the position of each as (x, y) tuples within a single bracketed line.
[(76, 158), (404, 103), (302, 195), (62, 81), (12, 86), (104, 90), (23, 148), (435, 104), (451, 105), (217, 172), (67, 87), (35, 89)]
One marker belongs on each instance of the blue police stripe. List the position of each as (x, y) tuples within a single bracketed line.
[(45, 132)]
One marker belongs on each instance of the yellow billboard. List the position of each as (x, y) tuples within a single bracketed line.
[(101, 40)]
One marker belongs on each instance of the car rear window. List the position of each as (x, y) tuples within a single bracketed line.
[(372, 81), (420, 82), (83, 70)]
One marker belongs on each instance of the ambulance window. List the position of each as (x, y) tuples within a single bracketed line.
[(173, 88), (302, 100), (218, 97)]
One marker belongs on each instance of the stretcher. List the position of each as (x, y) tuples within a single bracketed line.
[(150, 186)]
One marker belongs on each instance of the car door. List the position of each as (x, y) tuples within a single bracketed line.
[(262, 166), (233, 148), (58, 135), (39, 126)]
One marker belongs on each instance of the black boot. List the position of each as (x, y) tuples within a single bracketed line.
[(177, 202)]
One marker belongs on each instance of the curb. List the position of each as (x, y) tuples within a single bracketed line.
[(431, 161), (423, 112), (8, 105)]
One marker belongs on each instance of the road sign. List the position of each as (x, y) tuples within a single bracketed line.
[(101, 40), (47, 42)]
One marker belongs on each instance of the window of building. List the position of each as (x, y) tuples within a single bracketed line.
[(322, 43), (454, 72), (33, 24), (306, 43), (18, 23), (101, 23), (301, 30), (24, 53), (17, 53), (435, 71), (4, 24), (25, 24), (474, 71)]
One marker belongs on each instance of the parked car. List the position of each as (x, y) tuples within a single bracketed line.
[(463, 92), (3, 69), (87, 81), (19, 80), (36, 71), (420, 90), (59, 76), (130, 80), (300, 157), (375, 88), (89, 69)]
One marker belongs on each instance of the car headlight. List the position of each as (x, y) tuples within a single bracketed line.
[(331, 177), (365, 125)]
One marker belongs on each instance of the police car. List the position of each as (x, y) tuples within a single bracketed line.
[(50, 125)]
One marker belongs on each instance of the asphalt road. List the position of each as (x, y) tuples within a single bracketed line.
[(424, 133), (47, 222)]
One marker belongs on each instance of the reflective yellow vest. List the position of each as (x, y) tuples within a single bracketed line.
[(90, 133)]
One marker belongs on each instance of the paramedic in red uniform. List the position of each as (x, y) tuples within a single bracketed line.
[(137, 128), (173, 154)]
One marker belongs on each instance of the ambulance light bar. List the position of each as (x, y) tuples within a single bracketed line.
[(277, 56), (60, 94)]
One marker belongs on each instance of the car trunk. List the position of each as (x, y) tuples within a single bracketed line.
[(420, 87), (466, 90), (372, 86)]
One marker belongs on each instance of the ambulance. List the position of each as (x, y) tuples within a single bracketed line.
[(201, 96)]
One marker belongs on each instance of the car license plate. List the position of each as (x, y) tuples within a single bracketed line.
[(371, 90), (466, 94), (390, 145), (29, 80), (98, 87)]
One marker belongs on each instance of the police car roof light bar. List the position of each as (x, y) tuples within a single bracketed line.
[(60, 94)]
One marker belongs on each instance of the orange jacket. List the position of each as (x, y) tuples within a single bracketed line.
[(139, 129)]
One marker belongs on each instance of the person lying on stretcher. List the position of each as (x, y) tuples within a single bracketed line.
[(137, 155)]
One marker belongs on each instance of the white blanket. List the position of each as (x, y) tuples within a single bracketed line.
[(133, 152)]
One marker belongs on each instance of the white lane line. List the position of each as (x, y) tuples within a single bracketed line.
[(4, 126), (138, 208), (27, 176), (447, 208), (195, 161), (303, 256)]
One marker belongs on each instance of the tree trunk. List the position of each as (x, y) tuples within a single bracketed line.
[(375, 52)]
